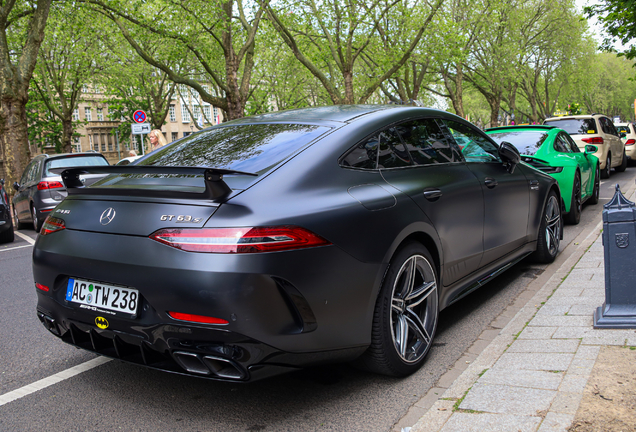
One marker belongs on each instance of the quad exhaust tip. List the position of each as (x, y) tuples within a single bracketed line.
[(213, 366), (49, 323)]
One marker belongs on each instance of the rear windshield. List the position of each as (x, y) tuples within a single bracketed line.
[(73, 161), (527, 142), (622, 129), (250, 148), (575, 126)]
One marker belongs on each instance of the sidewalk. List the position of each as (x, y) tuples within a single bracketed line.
[(532, 375)]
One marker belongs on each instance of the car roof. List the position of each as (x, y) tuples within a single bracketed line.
[(332, 113), (522, 127)]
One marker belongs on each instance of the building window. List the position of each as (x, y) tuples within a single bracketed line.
[(100, 114), (197, 112), (173, 114), (175, 136), (206, 113), (77, 146), (185, 134), (84, 88), (217, 120), (185, 114), (87, 114), (76, 114)]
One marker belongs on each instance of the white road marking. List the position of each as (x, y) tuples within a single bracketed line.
[(53, 379), (25, 237), (17, 247)]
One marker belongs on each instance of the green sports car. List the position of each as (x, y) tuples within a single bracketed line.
[(553, 151)]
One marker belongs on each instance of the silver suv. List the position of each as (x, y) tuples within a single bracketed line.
[(596, 129), (40, 191)]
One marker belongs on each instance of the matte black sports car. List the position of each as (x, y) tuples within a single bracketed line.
[(290, 239)]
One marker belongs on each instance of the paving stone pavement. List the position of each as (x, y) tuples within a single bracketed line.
[(532, 373)]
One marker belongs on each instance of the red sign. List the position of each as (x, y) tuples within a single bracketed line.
[(139, 116)]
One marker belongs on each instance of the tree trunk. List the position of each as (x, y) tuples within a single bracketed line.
[(348, 83), (495, 104), (67, 134), (14, 139)]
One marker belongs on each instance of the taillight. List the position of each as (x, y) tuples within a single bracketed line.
[(49, 185), (196, 318), (52, 224), (593, 140), (239, 240), (630, 142), (41, 287)]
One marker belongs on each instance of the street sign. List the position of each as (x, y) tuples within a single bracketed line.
[(140, 129), (139, 116)]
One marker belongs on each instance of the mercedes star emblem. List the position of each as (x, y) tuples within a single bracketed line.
[(107, 216)]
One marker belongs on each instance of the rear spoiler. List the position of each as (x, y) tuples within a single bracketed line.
[(215, 187)]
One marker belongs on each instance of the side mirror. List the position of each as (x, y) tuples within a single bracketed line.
[(16, 185), (510, 156), (589, 149)]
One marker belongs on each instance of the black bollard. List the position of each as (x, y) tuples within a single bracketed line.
[(619, 245)]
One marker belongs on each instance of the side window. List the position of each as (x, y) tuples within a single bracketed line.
[(561, 145), (572, 144), (35, 172), (382, 150), (608, 126), (426, 143), (474, 146), (26, 175)]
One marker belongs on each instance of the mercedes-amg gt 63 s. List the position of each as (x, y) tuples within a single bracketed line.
[(290, 239)]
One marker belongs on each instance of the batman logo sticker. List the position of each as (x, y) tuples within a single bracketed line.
[(101, 322)]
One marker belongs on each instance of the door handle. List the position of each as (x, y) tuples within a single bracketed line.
[(432, 194), (490, 182)]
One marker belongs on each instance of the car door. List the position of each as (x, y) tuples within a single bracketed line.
[(444, 188), (506, 195), (585, 164), (21, 198), (616, 144)]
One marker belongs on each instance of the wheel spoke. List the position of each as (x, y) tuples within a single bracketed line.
[(418, 326), (401, 334), (421, 293)]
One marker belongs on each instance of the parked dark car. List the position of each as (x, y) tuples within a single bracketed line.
[(6, 223), (290, 239), (40, 190)]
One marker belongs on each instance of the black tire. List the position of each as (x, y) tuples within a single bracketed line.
[(405, 316), (623, 165), (608, 167), (597, 187), (19, 225), (549, 236), (576, 203), (37, 222), (7, 236)]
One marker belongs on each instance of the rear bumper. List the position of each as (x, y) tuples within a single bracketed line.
[(284, 310)]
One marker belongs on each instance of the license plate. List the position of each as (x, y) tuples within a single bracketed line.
[(103, 298)]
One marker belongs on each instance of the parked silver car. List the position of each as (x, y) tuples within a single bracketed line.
[(40, 191)]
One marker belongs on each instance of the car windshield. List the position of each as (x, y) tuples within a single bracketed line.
[(527, 142), (622, 129), (575, 126), (73, 161), (250, 148)]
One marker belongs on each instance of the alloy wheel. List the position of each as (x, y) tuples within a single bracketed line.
[(414, 308), (552, 225)]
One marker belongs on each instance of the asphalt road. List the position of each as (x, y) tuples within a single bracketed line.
[(118, 396)]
